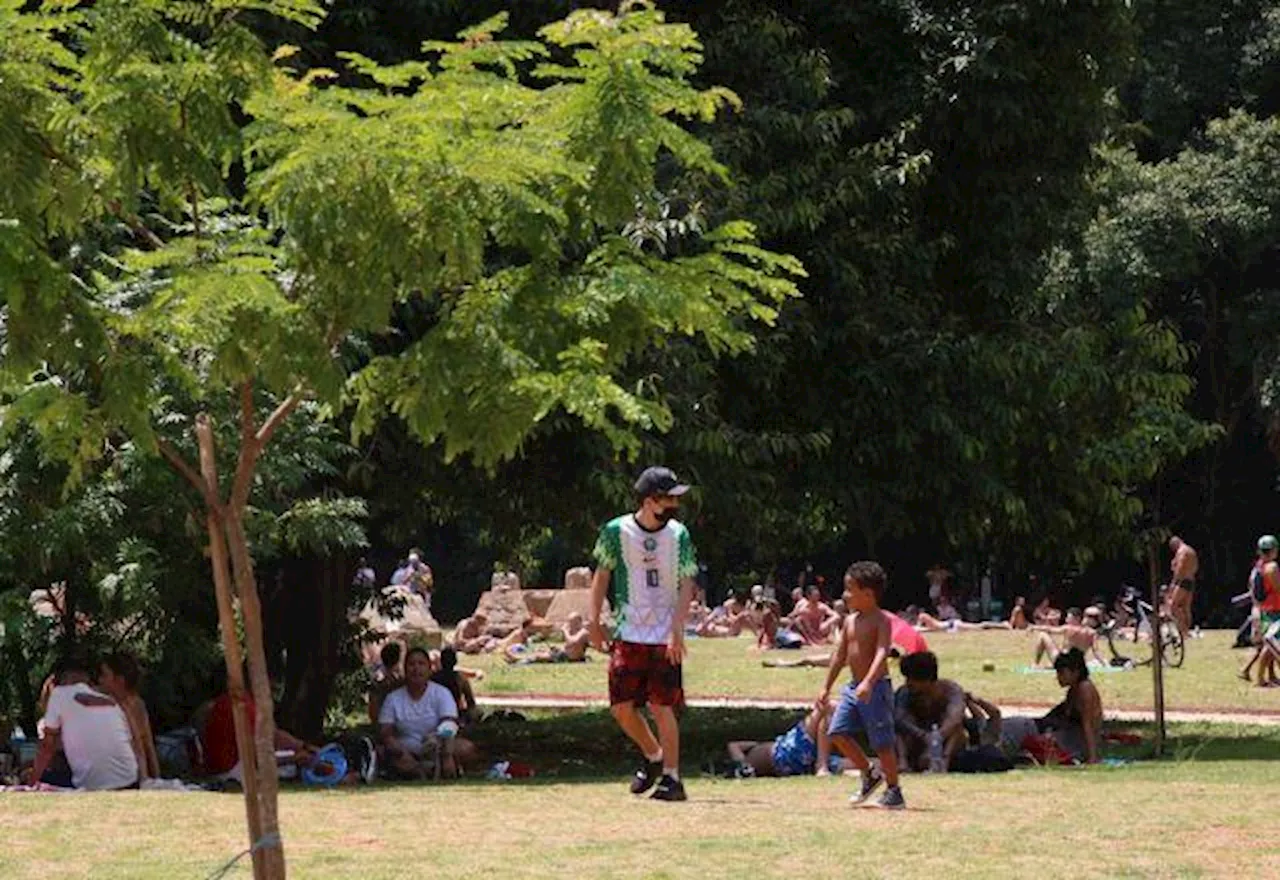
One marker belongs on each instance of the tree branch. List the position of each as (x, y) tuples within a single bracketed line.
[(247, 461), (186, 470), (287, 406)]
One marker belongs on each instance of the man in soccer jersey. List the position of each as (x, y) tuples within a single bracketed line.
[(646, 562)]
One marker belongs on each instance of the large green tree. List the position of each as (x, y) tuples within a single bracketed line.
[(278, 218)]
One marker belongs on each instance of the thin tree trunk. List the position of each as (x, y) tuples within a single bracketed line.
[(232, 654), (265, 732)]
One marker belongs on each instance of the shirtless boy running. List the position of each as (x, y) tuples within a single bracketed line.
[(866, 703)]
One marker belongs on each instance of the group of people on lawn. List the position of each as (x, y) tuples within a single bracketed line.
[(964, 720)]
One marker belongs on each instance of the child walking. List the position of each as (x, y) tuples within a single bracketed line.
[(866, 703)]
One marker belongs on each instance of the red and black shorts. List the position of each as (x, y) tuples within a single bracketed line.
[(642, 674)]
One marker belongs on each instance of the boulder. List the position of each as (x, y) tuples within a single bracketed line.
[(578, 578), (399, 613)]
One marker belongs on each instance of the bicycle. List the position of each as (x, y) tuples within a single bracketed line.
[(1126, 643)]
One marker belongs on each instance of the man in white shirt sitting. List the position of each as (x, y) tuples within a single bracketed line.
[(418, 715), (91, 729)]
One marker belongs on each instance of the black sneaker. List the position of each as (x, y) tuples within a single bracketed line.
[(646, 776), (871, 780), (669, 790), (891, 799)]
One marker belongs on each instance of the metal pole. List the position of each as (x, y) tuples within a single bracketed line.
[(1157, 648)]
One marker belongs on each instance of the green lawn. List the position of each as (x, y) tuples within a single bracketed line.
[(731, 668), (1175, 818)]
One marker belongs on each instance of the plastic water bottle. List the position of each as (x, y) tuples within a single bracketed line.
[(934, 742)]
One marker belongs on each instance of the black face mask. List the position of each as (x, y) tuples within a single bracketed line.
[(666, 515)]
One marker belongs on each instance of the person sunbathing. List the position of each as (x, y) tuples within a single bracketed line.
[(814, 620), (1079, 632), (923, 621), (517, 641), (1045, 614), (723, 622), (804, 749), (1018, 616), (472, 635), (577, 638)]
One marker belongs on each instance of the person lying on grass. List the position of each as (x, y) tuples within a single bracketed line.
[(923, 621), (1080, 631), (923, 702), (577, 639), (803, 750)]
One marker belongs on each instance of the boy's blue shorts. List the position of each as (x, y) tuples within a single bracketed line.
[(875, 716)]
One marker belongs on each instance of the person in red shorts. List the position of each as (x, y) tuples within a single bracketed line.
[(646, 562)]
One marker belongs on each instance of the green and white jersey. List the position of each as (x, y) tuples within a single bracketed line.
[(647, 568)]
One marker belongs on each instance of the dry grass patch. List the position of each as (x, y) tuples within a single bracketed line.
[(1147, 820)]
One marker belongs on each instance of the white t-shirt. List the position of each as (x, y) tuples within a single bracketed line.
[(95, 737), (415, 720)]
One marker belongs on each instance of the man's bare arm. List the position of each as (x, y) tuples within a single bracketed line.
[(599, 585)]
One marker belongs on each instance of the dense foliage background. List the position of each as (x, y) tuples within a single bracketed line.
[(1036, 336)]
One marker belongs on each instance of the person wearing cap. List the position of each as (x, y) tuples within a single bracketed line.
[(1264, 587), (646, 562)]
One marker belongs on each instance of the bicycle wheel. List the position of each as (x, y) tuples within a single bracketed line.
[(1123, 648), (1175, 647)]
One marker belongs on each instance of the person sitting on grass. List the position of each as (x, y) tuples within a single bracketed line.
[(472, 635), (1018, 616), (920, 704), (814, 620), (577, 638), (387, 677), (804, 749), (516, 644), (218, 739), (1045, 614), (723, 622), (771, 633), (1078, 632), (119, 675), (457, 684), (417, 716), (1076, 722), (91, 729), (984, 723)]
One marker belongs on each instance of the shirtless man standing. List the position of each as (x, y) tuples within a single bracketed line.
[(1184, 567)]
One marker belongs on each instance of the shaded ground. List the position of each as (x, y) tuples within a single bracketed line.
[(1042, 823)]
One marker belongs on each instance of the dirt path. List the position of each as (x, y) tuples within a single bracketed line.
[(575, 701)]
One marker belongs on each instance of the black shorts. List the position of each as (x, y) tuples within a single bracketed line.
[(1188, 585)]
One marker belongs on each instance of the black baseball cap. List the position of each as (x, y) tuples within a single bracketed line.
[(659, 481)]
